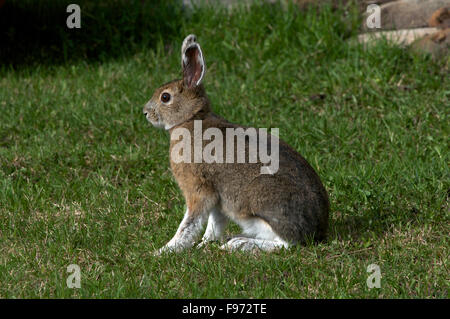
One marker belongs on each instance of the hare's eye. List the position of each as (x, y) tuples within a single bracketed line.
[(165, 97)]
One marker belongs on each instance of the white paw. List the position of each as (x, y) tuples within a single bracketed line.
[(239, 243), (163, 250), (157, 252), (253, 244), (203, 244)]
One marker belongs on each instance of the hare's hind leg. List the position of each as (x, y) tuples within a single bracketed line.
[(251, 244), (261, 237)]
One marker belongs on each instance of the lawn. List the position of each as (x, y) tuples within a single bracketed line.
[(85, 179)]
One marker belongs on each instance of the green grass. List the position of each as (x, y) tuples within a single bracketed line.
[(84, 179)]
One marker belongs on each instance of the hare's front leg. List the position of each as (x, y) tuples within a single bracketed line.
[(187, 233), (217, 222), (199, 205)]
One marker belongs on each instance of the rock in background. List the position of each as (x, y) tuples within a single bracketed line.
[(407, 14), (422, 24), (436, 44)]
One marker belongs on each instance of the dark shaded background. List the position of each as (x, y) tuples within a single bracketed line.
[(36, 31)]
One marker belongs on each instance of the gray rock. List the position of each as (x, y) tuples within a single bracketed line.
[(407, 14), (400, 37)]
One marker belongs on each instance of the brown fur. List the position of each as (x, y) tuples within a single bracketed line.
[(292, 201), (440, 18)]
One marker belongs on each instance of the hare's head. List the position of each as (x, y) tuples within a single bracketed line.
[(180, 100)]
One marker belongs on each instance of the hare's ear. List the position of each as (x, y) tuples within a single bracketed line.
[(192, 62)]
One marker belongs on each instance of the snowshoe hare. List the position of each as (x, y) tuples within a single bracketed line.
[(276, 206)]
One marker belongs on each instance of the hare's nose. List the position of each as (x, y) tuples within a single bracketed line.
[(145, 113)]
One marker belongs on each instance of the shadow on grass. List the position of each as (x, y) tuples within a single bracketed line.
[(352, 227), (35, 31), (375, 222)]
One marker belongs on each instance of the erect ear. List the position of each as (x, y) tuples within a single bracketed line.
[(192, 62)]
